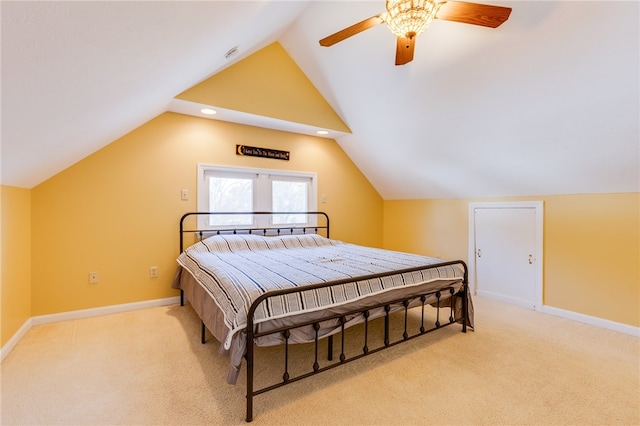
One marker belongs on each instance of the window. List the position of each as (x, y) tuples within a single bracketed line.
[(235, 189)]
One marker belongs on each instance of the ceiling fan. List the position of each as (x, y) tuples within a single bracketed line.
[(407, 19)]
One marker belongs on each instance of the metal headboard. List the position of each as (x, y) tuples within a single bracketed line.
[(273, 230)]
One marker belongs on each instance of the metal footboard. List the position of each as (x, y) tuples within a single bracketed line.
[(405, 304)]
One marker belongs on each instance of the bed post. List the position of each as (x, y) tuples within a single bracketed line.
[(465, 301), (249, 356), (249, 380), (181, 250)]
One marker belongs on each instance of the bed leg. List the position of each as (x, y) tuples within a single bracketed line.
[(181, 297), (203, 339), (330, 348)]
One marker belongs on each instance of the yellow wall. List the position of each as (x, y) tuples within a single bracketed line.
[(116, 212), (591, 246), (268, 83), (15, 284)]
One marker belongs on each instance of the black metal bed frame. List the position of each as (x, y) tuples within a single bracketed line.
[(404, 304)]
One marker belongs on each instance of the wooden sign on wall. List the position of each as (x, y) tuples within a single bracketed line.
[(253, 151)]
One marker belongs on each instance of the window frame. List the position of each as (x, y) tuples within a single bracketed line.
[(262, 193)]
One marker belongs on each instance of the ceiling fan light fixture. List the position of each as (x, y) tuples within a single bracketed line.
[(407, 19), (410, 18)]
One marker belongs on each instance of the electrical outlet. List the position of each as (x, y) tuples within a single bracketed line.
[(94, 277), (153, 272)]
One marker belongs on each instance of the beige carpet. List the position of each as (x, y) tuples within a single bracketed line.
[(148, 367)]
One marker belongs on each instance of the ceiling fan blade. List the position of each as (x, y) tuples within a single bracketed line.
[(404, 50), (473, 13), (351, 31)]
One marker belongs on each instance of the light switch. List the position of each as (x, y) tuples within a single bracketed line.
[(184, 195)]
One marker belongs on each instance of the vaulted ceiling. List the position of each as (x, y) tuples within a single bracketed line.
[(548, 103)]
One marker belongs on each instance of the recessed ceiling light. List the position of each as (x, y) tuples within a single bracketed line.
[(208, 111), (322, 132)]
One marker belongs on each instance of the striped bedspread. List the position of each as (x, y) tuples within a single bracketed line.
[(237, 269)]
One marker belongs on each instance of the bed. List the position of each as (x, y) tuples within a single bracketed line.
[(267, 285)]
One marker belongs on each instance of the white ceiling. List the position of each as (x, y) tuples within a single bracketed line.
[(548, 103)]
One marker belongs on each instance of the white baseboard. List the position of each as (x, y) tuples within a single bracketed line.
[(8, 347), (105, 310), (506, 299), (79, 314), (598, 322), (574, 316)]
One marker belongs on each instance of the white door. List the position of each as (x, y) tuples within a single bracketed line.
[(507, 253)]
